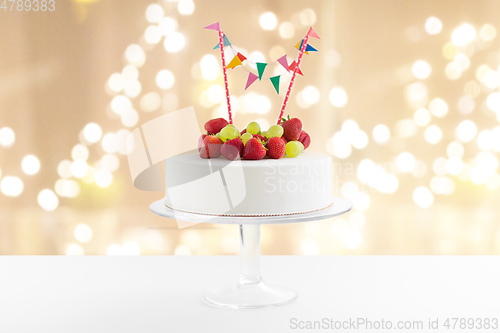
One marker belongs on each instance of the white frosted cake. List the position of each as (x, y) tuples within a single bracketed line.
[(263, 187)]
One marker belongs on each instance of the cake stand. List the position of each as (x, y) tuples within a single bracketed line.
[(251, 292)]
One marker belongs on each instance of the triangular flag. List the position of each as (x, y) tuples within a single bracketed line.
[(283, 62), (298, 46), (260, 67), (312, 33), (292, 67), (310, 48), (226, 43), (241, 56), (275, 80), (235, 62), (214, 26), (251, 79)]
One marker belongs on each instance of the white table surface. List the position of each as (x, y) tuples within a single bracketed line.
[(164, 293)]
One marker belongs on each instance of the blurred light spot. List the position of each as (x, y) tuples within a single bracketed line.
[(493, 102), (135, 55), (109, 162), (339, 226), (433, 25), (423, 197), (121, 139), (287, 30), (209, 67), (165, 79), (450, 51), (11, 186), (453, 71), (422, 117), (496, 138), (419, 170), (276, 52), (360, 140), (109, 143), (103, 178), (152, 34), (454, 165), (129, 118), (120, 104), (433, 134), (481, 72), (416, 94), (332, 59), (352, 239), (89, 176), (268, 21), (83, 233), (349, 190), (338, 97), (310, 95), (466, 105), (150, 102), (67, 188), (472, 89), (439, 166), (309, 247), (154, 13), (462, 60), (438, 107), (79, 168), (132, 88), (114, 250), (421, 69), (116, 82), (7, 137), (174, 42), (485, 140), (216, 94), (463, 35), (64, 169), (405, 162), (30, 164), (130, 72), (487, 32), (185, 7), (493, 181), (182, 250), (80, 152), (131, 249), (255, 57), (442, 185), (491, 79), (381, 134), (466, 131), (92, 132), (455, 149), (339, 145), (307, 17), (74, 250), (48, 200), (478, 175), (361, 201), (357, 220), (406, 128), (167, 26)]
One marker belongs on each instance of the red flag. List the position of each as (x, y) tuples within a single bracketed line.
[(312, 33)]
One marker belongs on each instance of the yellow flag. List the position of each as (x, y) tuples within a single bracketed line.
[(235, 62), (298, 47)]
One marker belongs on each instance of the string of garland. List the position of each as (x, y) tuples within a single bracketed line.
[(239, 58)]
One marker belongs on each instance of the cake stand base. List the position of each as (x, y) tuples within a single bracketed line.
[(251, 292), (250, 296)]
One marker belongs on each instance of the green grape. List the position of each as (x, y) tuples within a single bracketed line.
[(218, 135), (231, 125), (228, 133), (253, 128), (294, 148), (275, 131), (264, 133), (245, 137)]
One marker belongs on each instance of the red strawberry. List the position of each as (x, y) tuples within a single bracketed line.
[(292, 129), (260, 137), (214, 126), (204, 153), (305, 139), (212, 144), (232, 149), (254, 150), (243, 132), (284, 140), (201, 144), (275, 147)]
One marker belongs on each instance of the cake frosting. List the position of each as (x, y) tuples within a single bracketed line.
[(265, 187)]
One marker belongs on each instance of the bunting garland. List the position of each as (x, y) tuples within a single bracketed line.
[(239, 58)]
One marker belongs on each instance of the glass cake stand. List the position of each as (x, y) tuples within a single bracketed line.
[(251, 292)]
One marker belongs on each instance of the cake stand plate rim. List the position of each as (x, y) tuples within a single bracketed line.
[(339, 207)]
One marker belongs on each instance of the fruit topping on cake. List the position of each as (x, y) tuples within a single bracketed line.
[(254, 150)]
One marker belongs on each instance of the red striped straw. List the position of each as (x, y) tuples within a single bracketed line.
[(285, 101), (224, 70)]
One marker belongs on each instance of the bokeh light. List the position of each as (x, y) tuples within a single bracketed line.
[(30, 164), (268, 21), (11, 186)]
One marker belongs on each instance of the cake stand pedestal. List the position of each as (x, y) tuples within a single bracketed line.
[(251, 292)]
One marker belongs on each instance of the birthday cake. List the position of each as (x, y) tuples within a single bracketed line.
[(254, 172)]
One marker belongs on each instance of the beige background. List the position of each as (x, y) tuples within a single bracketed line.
[(54, 68)]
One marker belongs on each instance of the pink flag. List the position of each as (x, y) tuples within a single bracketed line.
[(214, 26), (312, 33), (251, 79), (283, 62)]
